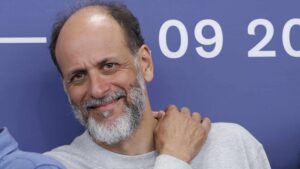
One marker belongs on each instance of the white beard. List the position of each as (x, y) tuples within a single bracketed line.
[(112, 133), (125, 125)]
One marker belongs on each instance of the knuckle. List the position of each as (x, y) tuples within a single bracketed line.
[(172, 107), (196, 114), (185, 109), (209, 121)]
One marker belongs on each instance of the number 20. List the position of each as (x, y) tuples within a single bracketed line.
[(257, 51)]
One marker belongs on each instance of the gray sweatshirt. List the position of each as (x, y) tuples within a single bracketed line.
[(228, 146)]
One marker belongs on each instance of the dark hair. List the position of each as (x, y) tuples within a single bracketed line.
[(128, 22)]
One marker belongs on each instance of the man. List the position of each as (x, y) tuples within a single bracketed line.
[(11, 157), (104, 63)]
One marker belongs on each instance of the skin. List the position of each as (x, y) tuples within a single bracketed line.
[(95, 60), (187, 138), (101, 45)]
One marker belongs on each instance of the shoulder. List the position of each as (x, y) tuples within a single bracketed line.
[(227, 127), (230, 145), (64, 152), (234, 133), (73, 155), (72, 150), (27, 160)]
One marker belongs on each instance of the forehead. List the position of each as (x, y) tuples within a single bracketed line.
[(90, 32), (91, 21)]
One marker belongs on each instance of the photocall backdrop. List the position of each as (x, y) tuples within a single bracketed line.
[(233, 61)]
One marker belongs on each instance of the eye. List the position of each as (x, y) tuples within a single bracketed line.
[(77, 78), (110, 67)]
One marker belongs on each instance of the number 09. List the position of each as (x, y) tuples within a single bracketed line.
[(216, 40)]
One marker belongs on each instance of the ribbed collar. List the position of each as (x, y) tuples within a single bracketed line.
[(7, 143)]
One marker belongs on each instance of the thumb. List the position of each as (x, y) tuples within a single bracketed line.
[(158, 114)]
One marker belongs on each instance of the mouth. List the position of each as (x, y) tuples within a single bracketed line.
[(104, 107)]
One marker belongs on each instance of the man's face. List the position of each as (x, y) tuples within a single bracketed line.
[(102, 80)]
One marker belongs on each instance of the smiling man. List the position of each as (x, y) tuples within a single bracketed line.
[(105, 65)]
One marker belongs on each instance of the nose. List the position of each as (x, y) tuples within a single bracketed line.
[(98, 85)]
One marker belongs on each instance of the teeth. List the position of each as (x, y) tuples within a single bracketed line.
[(106, 114), (103, 104), (108, 102)]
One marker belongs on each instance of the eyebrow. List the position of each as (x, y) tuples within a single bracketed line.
[(100, 64), (76, 71), (108, 60), (103, 62)]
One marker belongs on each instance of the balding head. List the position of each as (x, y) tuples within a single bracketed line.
[(119, 12)]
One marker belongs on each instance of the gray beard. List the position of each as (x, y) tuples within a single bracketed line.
[(125, 125)]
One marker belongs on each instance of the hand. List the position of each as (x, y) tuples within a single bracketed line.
[(180, 134)]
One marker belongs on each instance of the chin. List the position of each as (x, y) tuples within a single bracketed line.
[(113, 131)]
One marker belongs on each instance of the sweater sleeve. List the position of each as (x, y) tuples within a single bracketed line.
[(261, 160), (164, 161)]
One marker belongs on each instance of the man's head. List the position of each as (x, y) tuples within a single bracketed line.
[(117, 11), (104, 63)]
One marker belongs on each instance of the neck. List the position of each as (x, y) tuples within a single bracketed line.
[(141, 141)]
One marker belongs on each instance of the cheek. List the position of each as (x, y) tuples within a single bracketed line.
[(76, 95), (124, 80), (125, 84)]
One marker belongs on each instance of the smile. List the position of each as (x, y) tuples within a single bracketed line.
[(104, 103)]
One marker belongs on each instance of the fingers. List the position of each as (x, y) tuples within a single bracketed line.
[(158, 114), (196, 117), (206, 123), (180, 132), (155, 114), (171, 108), (185, 110)]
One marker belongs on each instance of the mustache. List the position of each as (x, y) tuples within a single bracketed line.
[(95, 102)]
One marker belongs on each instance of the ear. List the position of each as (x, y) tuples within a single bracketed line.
[(146, 62), (65, 86)]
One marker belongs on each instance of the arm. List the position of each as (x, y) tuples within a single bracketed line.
[(12, 157), (28, 160), (179, 136)]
